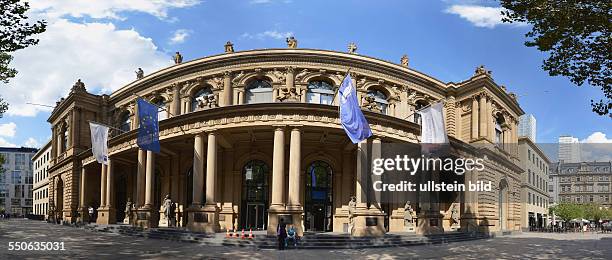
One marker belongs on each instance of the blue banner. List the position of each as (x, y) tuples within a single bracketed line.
[(353, 121), (148, 132)]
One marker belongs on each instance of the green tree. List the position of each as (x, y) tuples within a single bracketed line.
[(568, 211), (15, 34), (593, 212), (577, 35)]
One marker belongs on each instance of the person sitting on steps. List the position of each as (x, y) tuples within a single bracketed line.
[(291, 235)]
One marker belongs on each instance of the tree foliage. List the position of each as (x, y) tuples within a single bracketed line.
[(577, 34), (569, 211), (15, 34)]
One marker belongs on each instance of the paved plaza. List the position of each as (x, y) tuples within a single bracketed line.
[(83, 244)]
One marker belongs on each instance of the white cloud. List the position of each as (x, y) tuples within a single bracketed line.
[(274, 34), (107, 8), (480, 16), (597, 138), (179, 36), (5, 143), (103, 56), (596, 147), (8, 129), (31, 142)]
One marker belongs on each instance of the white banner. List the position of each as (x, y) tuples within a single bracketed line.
[(99, 142), (433, 130)]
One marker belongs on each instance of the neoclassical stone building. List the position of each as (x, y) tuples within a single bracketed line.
[(243, 133)]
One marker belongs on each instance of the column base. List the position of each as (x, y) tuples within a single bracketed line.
[(203, 219), (368, 223), (430, 223), (83, 215), (279, 215), (227, 218), (106, 216), (146, 217)]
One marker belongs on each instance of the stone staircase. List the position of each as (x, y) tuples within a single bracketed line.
[(308, 241)]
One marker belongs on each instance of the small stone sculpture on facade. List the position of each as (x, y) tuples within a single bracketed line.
[(454, 215), (78, 86), (229, 47), (178, 58), (409, 214), (481, 70), (139, 73), (169, 209), (369, 103), (208, 101), (352, 47), (292, 42), (404, 60), (128, 211), (352, 206), (288, 94)]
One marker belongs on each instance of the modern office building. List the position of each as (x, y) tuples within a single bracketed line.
[(243, 133), (535, 199), (527, 127), (41, 180), (584, 182), (16, 181), (569, 149)]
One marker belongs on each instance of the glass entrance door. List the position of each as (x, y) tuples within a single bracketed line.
[(256, 215), (318, 207)]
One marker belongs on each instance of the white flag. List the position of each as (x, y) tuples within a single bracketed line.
[(433, 130), (99, 142)]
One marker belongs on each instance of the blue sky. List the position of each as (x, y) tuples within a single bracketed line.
[(103, 42)]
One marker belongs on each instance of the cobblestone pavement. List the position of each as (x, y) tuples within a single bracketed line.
[(82, 244)]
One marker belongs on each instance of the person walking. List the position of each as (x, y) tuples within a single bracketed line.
[(281, 233)]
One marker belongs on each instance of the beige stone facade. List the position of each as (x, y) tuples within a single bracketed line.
[(534, 196), (40, 189), (245, 131)]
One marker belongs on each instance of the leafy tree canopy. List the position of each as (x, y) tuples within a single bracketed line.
[(578, 36)]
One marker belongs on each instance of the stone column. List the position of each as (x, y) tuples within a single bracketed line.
[(227, 89), (361, 172), (294, 170), (176, 100), (198, 169), (490, 124), (82, 199), (54, 146), (228, 182), (474, 117), (483, 131), (109, 184), (277, 206), (140, 178), (278, 166), (103, 186), (241, 96), (295, 184), (76, 126), (375, 197), (211, 170), (150, 180)]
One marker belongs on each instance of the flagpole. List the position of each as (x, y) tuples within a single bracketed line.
[(444, 99)]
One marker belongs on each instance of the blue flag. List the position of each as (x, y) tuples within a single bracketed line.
[(351, 117), (148, 132)]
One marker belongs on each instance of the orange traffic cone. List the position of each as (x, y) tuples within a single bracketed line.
[(251, 234), (227, 234), (242, 236), (235, 234)]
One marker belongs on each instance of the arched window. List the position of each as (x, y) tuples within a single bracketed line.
[(255, 194), (380, 98), (258, 91), (161, 109), (318, 206), (418, 106), (125, 122), (64, 138), (202, 93), (320, 92)]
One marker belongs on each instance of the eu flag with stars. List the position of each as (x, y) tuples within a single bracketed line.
[(353, 121), (148, 132)]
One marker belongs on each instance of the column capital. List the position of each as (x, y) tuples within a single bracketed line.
[(279, 127)]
